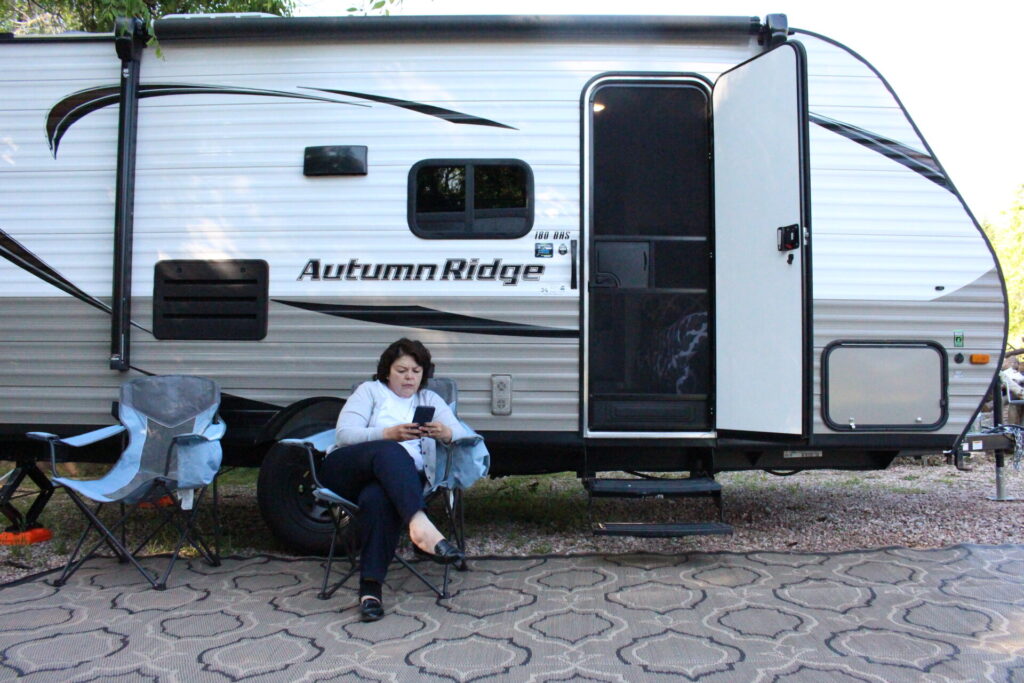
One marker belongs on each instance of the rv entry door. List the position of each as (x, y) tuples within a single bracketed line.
[(647, 342), (761, 228)]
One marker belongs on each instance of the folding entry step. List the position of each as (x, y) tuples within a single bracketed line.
[(641, 530), (657, 488)]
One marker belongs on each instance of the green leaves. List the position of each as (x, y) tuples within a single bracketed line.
[(97, 16), (1007, 239), (367, 7)]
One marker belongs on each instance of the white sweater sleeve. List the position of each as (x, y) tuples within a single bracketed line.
[(354, 419), (445, 415)]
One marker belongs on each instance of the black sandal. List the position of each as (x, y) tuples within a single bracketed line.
[(370, 608), (444, 553)]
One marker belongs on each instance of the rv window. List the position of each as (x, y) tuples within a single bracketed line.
[(441, 189), (470, 198)]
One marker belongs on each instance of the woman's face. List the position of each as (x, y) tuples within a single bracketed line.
[(405, 376)]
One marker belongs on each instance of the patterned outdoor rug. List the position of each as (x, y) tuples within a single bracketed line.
[(955, 614)]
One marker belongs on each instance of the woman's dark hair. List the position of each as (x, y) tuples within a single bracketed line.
[(405, 347)]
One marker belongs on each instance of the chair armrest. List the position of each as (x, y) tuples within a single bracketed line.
[(93, 436), (42, 436), (74, 441), (310, 450), (312, 444), (216, 430)]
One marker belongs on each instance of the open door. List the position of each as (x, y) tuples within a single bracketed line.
[(647, 338), (761, 232)]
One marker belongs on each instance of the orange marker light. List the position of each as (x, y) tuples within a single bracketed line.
[(980, 358)]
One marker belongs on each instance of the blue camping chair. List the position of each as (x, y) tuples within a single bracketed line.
[(173, 451), (449, 480)]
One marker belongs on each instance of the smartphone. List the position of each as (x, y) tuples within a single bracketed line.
[(423, 414)]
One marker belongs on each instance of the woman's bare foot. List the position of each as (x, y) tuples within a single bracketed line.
[(423, 533)]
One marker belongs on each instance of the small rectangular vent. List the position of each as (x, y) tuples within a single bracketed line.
[(210, 299), (335, 160)]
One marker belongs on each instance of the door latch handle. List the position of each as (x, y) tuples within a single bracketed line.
[(788, 237)]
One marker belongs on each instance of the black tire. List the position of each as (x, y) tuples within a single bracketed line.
[(285, 495)]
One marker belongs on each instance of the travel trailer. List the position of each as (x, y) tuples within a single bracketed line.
[(688, 244)]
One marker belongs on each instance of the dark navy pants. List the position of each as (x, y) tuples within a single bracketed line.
[(381, 478)]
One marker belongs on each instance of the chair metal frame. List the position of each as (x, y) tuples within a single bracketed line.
[(152, 492)]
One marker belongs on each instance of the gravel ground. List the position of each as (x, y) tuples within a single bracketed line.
[(916, 503)]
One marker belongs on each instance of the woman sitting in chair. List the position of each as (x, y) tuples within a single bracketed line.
[(377, 462)]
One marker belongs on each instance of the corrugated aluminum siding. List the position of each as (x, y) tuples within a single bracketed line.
[(219, 176), (895, 255)]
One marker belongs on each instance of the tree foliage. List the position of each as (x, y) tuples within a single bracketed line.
[(1008, 239), (375, 7), (56, 16)]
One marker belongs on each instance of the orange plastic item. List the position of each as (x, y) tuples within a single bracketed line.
[(159, 502), (37, 535), (980, 358)]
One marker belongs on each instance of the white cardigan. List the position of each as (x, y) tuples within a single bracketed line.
[(357, 422)]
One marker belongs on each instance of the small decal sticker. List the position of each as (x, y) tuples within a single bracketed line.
[(543, 250), (801, 454), (958, 338), (562, 250)]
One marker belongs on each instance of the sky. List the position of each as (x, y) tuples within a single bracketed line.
[(958, 73)]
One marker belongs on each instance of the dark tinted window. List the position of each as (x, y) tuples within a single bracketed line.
[(500, 187), (440, 189), (470, 198)]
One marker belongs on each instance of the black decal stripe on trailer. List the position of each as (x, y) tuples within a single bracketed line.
[(915, 160), (74, 107), (15, 252), (431, 319), (428, 109)]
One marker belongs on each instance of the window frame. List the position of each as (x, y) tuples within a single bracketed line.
[(470, 212)]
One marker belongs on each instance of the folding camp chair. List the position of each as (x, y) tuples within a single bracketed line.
[(344, 513), (173, 452)]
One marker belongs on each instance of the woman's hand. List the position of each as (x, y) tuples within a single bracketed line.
[(438, 430), (405, 432)]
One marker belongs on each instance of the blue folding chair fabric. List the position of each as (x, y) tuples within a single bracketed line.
[(173, 447)]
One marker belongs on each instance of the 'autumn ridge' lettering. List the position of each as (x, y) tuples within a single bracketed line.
[(509, 274)]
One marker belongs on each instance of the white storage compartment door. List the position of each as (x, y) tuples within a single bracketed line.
[(884, 386), (760, 134)]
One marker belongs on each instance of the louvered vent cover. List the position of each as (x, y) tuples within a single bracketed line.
[(210, 299)]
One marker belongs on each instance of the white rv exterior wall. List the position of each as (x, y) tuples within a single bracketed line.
[(220, 176), (886, 239)]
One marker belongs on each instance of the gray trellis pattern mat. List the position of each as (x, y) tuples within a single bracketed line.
[(955, 614)]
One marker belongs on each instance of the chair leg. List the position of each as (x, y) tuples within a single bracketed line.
[(106, 535), (124, 528), (346, 536), (216, 517), (455, 512), (185, 523), (71, 567), (442, 592)]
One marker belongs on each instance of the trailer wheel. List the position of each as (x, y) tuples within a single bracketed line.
[(285, 495)]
